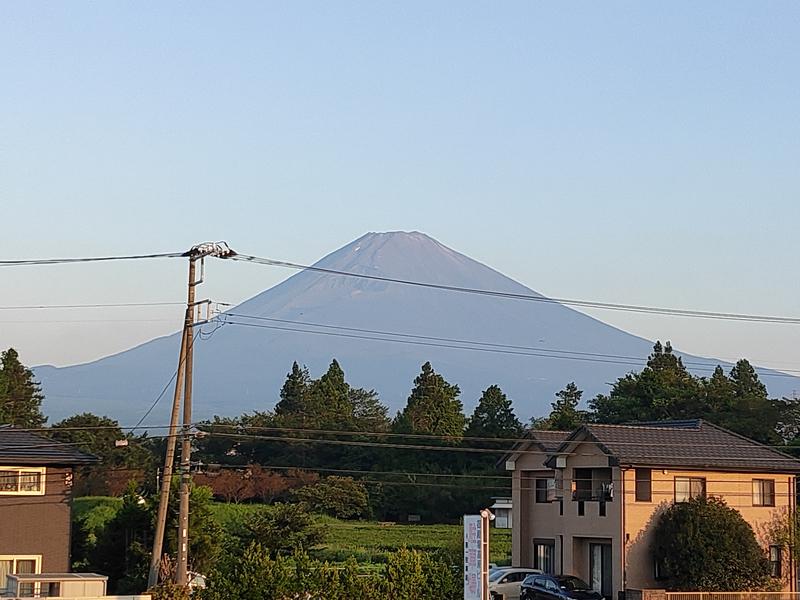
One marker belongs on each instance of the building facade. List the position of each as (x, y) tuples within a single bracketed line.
[(588, 506), (36, 476)]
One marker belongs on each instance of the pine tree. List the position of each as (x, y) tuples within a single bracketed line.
[(663, 390), (565, 415), (433, 407), (20, 395), (369, 414), (294, 393), (330, 397), (494, 416), (750, 410)]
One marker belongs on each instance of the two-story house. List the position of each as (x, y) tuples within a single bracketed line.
[(35, 492), (586, 503)]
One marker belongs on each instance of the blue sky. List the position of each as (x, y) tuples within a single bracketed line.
[(619, 151)]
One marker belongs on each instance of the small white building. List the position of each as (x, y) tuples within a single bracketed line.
[(68, 586), (502, 512)]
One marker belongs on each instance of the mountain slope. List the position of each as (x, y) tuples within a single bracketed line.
[(241, 367)]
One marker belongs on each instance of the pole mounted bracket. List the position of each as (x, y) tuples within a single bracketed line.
[(215, 249)]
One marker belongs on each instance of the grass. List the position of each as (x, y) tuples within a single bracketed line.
[(372, 542), (368, 542)]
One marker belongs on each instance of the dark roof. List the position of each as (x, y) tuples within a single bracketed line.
[(546, 441), (693, 444), (20, 447), (549, 441)]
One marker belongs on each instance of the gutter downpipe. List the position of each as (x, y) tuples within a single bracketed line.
[(623, 536)]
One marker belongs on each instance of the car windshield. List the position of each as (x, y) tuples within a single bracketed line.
[(496, 574), (572, 584)]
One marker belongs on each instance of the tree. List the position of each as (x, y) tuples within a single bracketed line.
[(20, 395), (118, 465), (283, 529), (565, 415), (369, 414), (331, 395), (664, 389), (294, 393), (340, 497), (494, 416), (122, 550), (704, 545), (433, 407), (751, 411)]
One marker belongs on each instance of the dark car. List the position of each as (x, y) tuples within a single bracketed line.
[(556, 587)]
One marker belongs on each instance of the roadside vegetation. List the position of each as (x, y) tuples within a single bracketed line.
[(322, 486)]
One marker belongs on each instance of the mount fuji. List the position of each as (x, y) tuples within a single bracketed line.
[(380, 332)]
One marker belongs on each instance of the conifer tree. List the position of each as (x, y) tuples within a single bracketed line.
[(664, 389), (494, 416), (294, 393), (433, 407), (20, 395), (330, 398), (565, 415)]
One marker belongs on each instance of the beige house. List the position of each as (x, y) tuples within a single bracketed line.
[(586, 503)]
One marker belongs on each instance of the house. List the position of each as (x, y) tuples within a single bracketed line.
[(501, 509), (586, 503), (36, 475)]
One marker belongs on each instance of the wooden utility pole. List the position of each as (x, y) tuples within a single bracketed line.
[(169, 458), (182, 568), (183, 385)]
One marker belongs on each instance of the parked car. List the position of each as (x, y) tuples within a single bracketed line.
[(504, 582), (556, 587)]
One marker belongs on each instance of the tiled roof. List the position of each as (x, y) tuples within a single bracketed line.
[(549, 441), (692, 444), (545, 441), (20, 447)]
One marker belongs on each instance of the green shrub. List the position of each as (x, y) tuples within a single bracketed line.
[(704, 545), (340, 497)]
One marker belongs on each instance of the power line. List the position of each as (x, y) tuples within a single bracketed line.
[(86, 259), (530, 297), (392, 445), (93, 305), (637, 360), (455, 346)]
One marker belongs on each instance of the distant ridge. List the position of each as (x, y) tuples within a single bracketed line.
[(242, 368)]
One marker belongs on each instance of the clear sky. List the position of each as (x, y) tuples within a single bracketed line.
[(642, 152)]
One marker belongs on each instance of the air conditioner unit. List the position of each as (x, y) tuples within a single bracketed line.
[(561, 462)]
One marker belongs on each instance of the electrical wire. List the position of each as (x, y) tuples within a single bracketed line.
[(87, 259), (358, 443), (637, 360), (164, 389), (475, 348), (93, 305), (528, 297)]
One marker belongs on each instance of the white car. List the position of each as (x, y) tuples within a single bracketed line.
[(505, 582)]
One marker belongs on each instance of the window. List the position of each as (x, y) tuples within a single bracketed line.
[(581, 508), (544, 555), (18, 564), (687, 488), (644, 485), (775, 560), (545, 490), (763, 492), (602, 509), (27, 481), (592, 484)]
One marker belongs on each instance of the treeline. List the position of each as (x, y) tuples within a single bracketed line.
[(430, 460)]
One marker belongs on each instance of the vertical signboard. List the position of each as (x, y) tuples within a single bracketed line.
[(472, 557)]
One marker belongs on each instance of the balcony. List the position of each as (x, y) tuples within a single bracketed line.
[(592, 485)]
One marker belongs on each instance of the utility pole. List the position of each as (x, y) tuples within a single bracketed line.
[(183, 383)]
